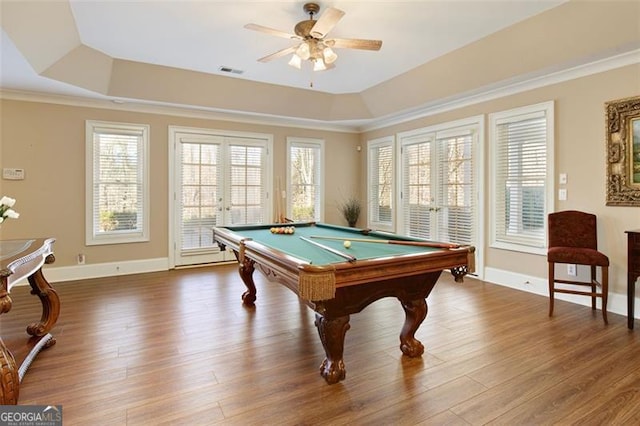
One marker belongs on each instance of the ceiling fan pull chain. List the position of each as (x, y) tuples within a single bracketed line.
[(311, 74)]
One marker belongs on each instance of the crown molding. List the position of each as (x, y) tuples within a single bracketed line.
[(498, 90), (509, 87), (177, 110)]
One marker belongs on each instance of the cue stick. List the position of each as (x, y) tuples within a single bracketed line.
[(283, 202), (279, 206), (403, 243), (332, 250)]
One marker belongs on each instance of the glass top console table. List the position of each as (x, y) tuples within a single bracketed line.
[(19, 260)]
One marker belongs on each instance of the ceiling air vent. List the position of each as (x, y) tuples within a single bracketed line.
[(230, 70)]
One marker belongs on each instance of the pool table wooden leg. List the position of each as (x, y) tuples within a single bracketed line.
[(416, 312), (332, 333), (246, 268)]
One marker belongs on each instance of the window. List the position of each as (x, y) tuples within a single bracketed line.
[(117, 183), (381, 181), (304, 179), (522, 178)]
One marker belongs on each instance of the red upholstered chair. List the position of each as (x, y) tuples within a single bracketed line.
[(573, 240)]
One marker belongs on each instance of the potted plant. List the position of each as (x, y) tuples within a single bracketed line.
[(350, 210)]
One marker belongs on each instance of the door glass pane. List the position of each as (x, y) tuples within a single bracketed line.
[(455, 195), (246, 184), (417, 185), (199, 201)]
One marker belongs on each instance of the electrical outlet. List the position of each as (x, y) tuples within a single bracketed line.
[(572, 270), (81, 259)]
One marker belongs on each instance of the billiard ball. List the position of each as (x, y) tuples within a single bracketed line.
[(347, 244)]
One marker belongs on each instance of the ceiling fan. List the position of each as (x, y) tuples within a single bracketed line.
[(313, 45)]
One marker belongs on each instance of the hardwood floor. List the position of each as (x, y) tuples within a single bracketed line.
[(178, 347)]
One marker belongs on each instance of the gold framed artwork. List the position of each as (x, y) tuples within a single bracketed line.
[(623, 152)]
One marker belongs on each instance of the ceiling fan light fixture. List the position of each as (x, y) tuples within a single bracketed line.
[(313, 45), (295, 61), (318, 65), (303, 51), (329, 55)]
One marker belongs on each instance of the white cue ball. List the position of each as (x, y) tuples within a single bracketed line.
[(347, 244)]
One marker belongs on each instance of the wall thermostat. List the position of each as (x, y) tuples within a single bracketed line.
[(12, 174)]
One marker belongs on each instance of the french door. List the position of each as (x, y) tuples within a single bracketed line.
[(439, 196), (219, 178)]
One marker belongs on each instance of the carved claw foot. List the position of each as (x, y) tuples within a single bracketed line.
[(332, 332), (248, 298), (412, 348), (416, 312), (333, 372)]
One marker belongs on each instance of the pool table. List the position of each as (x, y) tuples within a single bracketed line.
[(336, 281)]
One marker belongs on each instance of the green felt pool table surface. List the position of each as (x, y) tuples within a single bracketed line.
[(293, 245)]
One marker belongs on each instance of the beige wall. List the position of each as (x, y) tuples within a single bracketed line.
[(48, 141), (580, 152)]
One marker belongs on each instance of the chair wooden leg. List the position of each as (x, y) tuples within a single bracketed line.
[(605, 292), (593, 287), (552, 271)]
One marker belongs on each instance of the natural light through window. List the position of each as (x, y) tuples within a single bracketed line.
[(117, 183)]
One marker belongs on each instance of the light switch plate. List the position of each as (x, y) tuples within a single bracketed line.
[(562, 179)]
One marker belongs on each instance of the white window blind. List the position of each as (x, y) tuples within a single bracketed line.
[(439, 184), (200, 194), (117, 183), (417, 192), (305, 194), (522, 174), (380, 179), (457, 198), (246, 184), (219, 178)]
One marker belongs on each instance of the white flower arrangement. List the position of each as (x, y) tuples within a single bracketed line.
[(6, 212)]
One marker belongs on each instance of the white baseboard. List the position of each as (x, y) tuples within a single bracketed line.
[(99, 270), (616, 303)]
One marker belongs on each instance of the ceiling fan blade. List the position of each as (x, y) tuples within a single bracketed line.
[(278, 54), (326, 22), (354, 43), (263, 29)]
